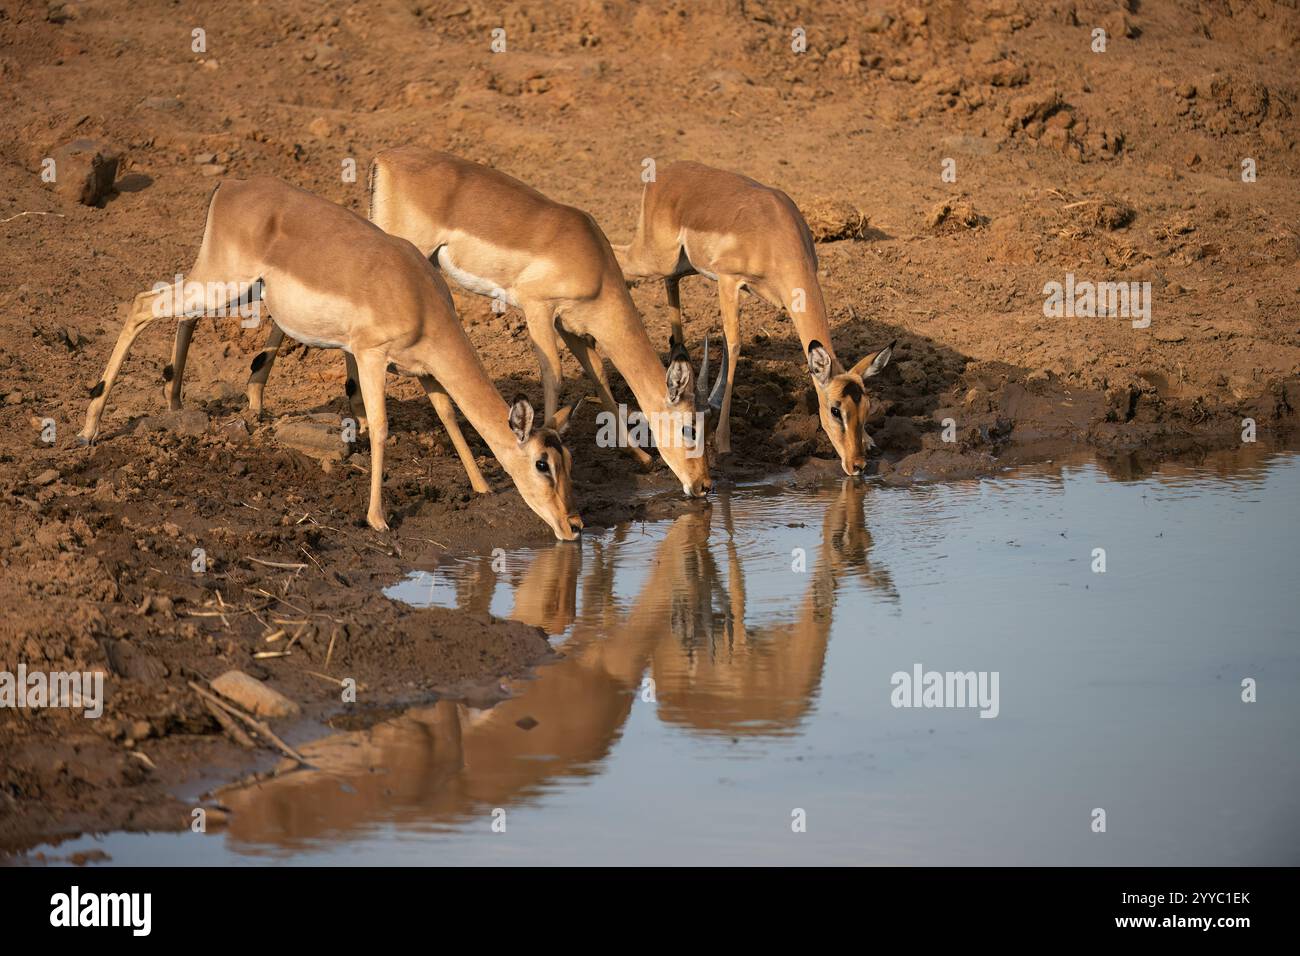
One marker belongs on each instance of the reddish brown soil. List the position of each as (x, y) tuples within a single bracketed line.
[(1123, 165)]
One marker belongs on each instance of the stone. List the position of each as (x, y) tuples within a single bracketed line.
[(254, 696), (165, 103), (315, 439), (187, 421), (84, 170), (133, 663)]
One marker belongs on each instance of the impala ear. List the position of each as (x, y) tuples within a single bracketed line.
[(521, 418), (819, 363), (561, 420), (680, 377), (875, 363)]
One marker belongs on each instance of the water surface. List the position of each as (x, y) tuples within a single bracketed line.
[(729, 671)]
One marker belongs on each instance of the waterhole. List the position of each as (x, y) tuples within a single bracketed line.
[(1075, 663)]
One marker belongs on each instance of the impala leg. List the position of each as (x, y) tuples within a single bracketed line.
[(140, 315), (353, 390), (672, 286), (173, 374), (442, 404), (261, 368), (371, 368), (594, 366), (541, 329), (729, 295)]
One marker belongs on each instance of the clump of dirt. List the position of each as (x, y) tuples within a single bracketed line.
[(831, 219), (951, 215)]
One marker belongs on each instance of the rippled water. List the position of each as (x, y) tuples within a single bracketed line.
[(727, 670)]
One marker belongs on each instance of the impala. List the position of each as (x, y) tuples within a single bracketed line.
[(495, 236), (334, 280), (699, 220)]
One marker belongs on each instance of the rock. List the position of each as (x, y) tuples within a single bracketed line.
[(187, 421), (84, 170), (204, 159), (254, 696), (212, 169), (1113, 214), (321, 128), (1169, 335), (1032, 107), (133, 663), (876, 21), (315, 439), (1118, 25), (324, 55), (236, 432), (165, 103), (71, 337), (1003, 73), (422, 93), (46, 477)]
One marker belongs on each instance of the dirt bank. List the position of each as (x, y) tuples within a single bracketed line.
[(1117, 166)]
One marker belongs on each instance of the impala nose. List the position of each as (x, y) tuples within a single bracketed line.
[(698, 489), (575, 522), (858, 466)]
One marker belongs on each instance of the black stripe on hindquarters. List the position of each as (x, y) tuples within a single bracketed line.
[(372, 176), (259, 360)]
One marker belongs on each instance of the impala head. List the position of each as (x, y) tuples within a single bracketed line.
[(843, 403), (681, 435), (542, 472)]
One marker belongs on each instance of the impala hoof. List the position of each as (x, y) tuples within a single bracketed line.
[(85, 442), (379, 524)]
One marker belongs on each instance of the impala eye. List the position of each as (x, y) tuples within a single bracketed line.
[(688, 432), (543, 466), (836, 414)]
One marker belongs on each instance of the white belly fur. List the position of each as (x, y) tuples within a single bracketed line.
[(470, 282), (314, 317)]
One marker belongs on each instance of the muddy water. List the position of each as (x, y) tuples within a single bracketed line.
[(731, 671)]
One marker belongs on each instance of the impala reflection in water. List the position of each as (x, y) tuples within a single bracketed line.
[(681, 642), (730, 672)]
